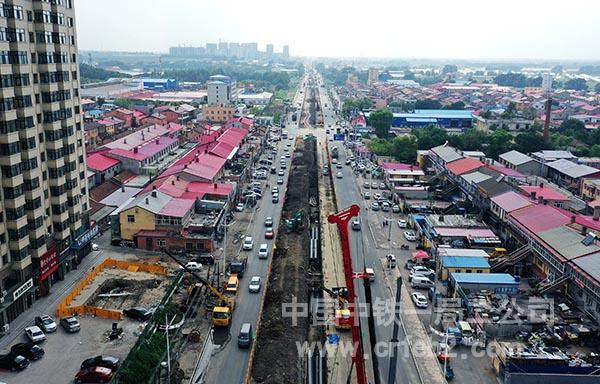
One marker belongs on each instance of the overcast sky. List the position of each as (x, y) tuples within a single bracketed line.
[(505, 29)]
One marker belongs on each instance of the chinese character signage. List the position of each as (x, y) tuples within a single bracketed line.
[(48, 263)]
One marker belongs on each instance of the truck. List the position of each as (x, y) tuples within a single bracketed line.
[(237, 268)]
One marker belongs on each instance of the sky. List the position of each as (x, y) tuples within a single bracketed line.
[(460, 29)]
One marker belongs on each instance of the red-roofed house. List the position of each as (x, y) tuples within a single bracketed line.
[(155, 118), (545, 193), (463, 166), (240, 122), (123, 114), (204, 167), (146, 154), (104, 167)]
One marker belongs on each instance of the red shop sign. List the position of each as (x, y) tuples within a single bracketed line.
[(48, 263)]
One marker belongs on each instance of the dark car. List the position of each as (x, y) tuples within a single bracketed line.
[(70, 324), (138, 313), (94, 375), (207, 259), (101, 361), (13, 362), (269, 234), (29, 350)]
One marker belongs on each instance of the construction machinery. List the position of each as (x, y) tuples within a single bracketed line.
[(342, 219), (296, 222), (223, 310), (342, 313)]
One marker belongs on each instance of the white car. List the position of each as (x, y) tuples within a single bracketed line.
[(193, 266), (239, 207), (402, 223), (35, 334), (46, 323), (377, 196), (280, 181), (410, 236), (419, 299), (254, 285), (95, 247), (263, 251), (339, 175), (248, 243), (334, 161), (280, 173)]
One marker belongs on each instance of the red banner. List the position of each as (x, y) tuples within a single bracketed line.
[(48, 263)]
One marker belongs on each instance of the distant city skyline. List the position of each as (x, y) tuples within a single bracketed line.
[(463, 29)]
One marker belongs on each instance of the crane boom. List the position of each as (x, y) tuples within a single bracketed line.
[(342, 219)]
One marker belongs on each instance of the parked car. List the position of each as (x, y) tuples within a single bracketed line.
[(254, 285), (396, 208), (375, 206), (421, 269), (206, 259), (382, 186), (138, 313), (46, 323), (377, 196), (339, 166), (109, 362), (193, 266), (94, 375), (367, 195), (269, 222), (95, 247), (239, 207), (366, 185), (348, 161), (35, 334), (402, 223), (269, 234), (339, 175), (410, 236), (13, 362), (248, 243), (280, 181), (419, 299), (275, 198), (374, 185), (280, 173), (29, 350), (70, 324), (385, 206)]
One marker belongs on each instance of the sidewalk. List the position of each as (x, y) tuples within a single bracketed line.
[(47, 305)]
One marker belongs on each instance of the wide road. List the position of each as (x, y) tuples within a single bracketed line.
[(365, 252), (229, 364)]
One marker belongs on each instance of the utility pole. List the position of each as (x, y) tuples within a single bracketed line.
[(394, 350), (168, 349)]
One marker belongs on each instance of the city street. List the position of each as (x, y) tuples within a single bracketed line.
[(229, 363)]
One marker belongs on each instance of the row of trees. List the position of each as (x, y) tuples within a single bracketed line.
[(91, 74), (571, 135)]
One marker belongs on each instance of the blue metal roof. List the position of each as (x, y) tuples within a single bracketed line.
[(465, 262), (484, 278)]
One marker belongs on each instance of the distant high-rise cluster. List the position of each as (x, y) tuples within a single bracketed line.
[(248, 51)]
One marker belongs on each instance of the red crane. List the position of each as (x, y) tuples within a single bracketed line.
[(342, 219)]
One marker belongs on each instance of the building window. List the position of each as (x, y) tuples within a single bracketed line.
[(161, 242), (130, 218)]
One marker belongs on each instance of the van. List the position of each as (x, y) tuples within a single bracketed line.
[(421, 282), (371, 273), (232, 284), (245, 336)]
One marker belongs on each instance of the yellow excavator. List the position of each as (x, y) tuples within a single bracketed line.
[(222, 312)]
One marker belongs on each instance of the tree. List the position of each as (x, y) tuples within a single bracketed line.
[(577, 84), (571, 126), (518, 80), (381, 147), (449, 68), (510, 111), (499, 141), (358, 104), (528, 142), (471, 140), (405, 148), (381, 120), (123, 103), (430, 136), (456, 105), (408, 75), (486, 114), (428, 104)]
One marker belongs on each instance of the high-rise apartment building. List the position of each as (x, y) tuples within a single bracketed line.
[(286, 52), (223, 49), (44, 224), (269, 51)]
